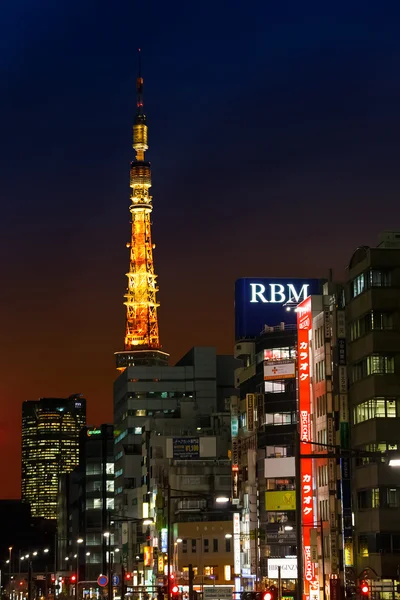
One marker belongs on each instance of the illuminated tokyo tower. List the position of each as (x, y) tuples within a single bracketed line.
[(142, 341)]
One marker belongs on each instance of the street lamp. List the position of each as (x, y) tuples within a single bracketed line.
[(221, 500), (46, 550), (148, 522), (228, 536), (394, 462)]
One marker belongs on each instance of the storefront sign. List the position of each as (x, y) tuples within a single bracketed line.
[(280, 500), (186, 448), (236, 543), (250, 411), (279, 369), (288, 568), (304, 325)]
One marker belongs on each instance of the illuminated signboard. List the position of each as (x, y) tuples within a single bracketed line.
[(147, 556), (236, 543), (280, 500), (279, 369), (250, 411), (304, 326), (268, 301), (164, 540), (288, 568), (91, 432), (186, 448)]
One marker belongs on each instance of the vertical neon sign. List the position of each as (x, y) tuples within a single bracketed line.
[(304, 325)]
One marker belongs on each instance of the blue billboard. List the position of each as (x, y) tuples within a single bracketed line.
[(269, 301)]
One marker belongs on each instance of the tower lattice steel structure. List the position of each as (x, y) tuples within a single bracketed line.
[(142, 341)]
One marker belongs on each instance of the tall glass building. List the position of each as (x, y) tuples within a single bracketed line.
[(50, 448)]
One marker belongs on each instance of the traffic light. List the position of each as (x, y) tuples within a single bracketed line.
[(267, 595), (127, 576), (73, 578), (174, 591), (364, 588)]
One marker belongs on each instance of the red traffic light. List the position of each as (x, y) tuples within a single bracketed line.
[(172, 576), (175, 589), (128, 576), (73, 578), (364, 588), (267, 596)]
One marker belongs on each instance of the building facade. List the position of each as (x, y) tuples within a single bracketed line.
[(50, 448), (373, 326), (157, 410), (86, 507), (267, 421)]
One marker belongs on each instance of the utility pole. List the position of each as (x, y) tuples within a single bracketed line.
[(46, 591), (110, 570), (299, 532), (191, 581), (323, 559), (29, 580), (169, 540), (279, 583), (122, 582)]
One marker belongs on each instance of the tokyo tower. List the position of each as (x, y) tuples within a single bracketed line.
[(142, 341)]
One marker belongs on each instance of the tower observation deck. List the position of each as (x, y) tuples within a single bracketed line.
[(142, 341)]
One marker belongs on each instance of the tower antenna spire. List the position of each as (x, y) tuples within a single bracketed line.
[(139, 85)]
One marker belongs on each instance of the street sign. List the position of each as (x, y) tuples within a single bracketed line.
[(102, 580), (115, 580), (217, 592)]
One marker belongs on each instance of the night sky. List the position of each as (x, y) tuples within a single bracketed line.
[(274, 138)]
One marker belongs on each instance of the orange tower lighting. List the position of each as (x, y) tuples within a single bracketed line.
[(142, 341)]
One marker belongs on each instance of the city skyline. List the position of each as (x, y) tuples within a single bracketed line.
[(307, 108)]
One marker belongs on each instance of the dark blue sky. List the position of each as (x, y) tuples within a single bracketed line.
[(274, 141)]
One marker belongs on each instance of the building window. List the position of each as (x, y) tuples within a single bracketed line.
[(358, 285), (227, 572), (368, 498), (215, 545), (392, 497), (286, 418), (227, 545), (194, 544), (276, 451), (380, 364), (280, 485), (376, 364), (184, 546), (376, 408), (205, 545), (379, 278), (110, 468), (274, 387)]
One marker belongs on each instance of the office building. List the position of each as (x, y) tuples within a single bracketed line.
[(50, 448), (264, 424), (154, 408), (373, 326), (86, 507)]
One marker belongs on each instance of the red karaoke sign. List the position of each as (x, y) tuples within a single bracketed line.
[(304, 325)]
